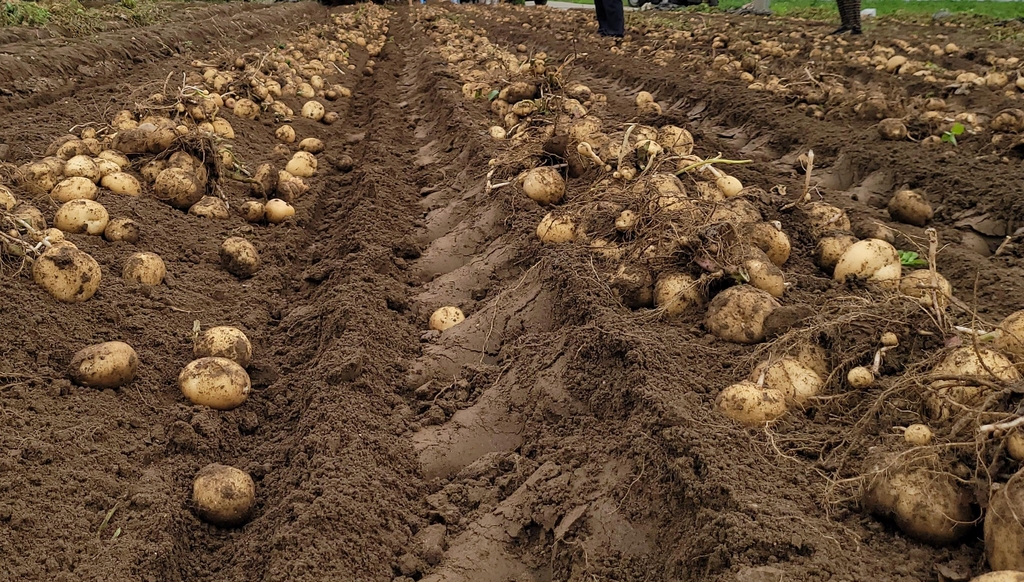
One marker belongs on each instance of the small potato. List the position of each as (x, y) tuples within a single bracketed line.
[(278, 211), (144, 269), (311, 145), (313, 110), (892, 129), (1015, 445), (210, 207), (223, 496), (909, 207), (82, 167), (737, 314), (77, 188), (918, 284), (106, 365), (285, 134), (246, 108), (7, 199), (177, 187), (750, 404), (289, 187), (446, 317), (544, 185), (795, 381), (830, 248), (1004, 534), (497, 132), (219, 383), (643, 97), (302, 164), (122, 229), (930, 506), (676, 140), (1011, 336), (121, 183), (871, 260), (770, 239), (239, 257), (729, 185), (736, 210), (556, 230), (626, 221), (252, 210), (676, 292), (918, 435), (224, 342), (67, 274), (860, 378), (81, 216), (824, 218)]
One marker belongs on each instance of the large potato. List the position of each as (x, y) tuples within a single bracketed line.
[(81, 216), (246, 108), (302, 164), (750, 404), (219, 383), (544, 185), (676, 140), (790, 377), (178, 187), (289, 187), (313, 110), (252, 210), (76, 188), (870, 260), (122, 183), (116, 157), (144, 269), (278, 211), (947, 395), (239, 257), (37, 178), (222, 495), (311, 145), (738, 313), (82, 167), (68, 274), (930, 506), (1011, 336), (224, 342), (676, 292), (1001, 575), (1004, 532), (106, 365), (909, 207), (556, 229)]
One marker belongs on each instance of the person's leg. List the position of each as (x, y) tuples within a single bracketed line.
[(615, 20), (843, 11), (853, 15), (602, 19)]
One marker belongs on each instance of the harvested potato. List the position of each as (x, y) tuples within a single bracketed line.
[(122, 229), (289, 187), (633, 285), (1004, 533), (918, 435), (789, 376), (544, 185), (252, 211), (81, 216), (497, 132), (824, 218), (736, 210), (738, 313), (626, 221), (105, 365), (676, 140), (909, 207), (285, 134), (918, 284), (1015, 445), (28, 214), (1001, 575), (82, 167), (152, 169), (67, 274), (676, 292), (224, 496), (729, 185), (750, 404), (311, 145), (812, 356), (222, 128), (446, 317), (224, 342), (313, 110), (246, 108), (265, 180), (555, 230), (121, 183), (239, 257), (37, 178), (77, 188), (7, 199), (892, 129), (770, 239), (859, 378), (945, 395), (302, 164), (763, 274), (278, 211), (930, 506), (870, 260), (830, 248), (144, 269), (178, 187), (219, 383), (865, 228), (210, 207), (1011, 336)]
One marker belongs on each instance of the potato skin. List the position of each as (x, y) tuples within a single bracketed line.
[(68, 274), (927, 505), (239, 257), (224, 342), (1004, 534), (106, 365), (219, 383), (738, 313), (223, 495)]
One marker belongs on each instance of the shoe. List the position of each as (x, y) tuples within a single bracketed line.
[(855, 31), (840, 30)]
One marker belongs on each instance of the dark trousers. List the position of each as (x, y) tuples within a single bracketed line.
[(610, 19), (849, 13)]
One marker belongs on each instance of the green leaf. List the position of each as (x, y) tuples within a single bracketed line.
[(911, 259), (957, 129), (492, 95)]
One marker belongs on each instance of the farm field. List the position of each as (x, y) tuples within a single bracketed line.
[(729, 299)]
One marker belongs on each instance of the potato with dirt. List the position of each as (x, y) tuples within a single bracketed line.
[(870, 260), (751, 404), (239, 257), (737, 314), (1004, 531), (219, 383), (67, 274), (223, 495), (928, 505), (105, 365), (224, 342)]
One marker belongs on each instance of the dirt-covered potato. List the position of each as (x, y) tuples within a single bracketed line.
[(144, 269), (223, 496), (865, 228), (860, 377), (122, 183), (763, 274), (770, 239), (37, 178), (77, 188), (210, 207), (246, 108), (28, 214), (106, 365), (302, 164), (106, 167), (81, 216), (116, 157), (311, 145), (790, 377), (556, 229), (82, 167), (122, 229), (909, 207), (239, 257), (1001, 575), (676, 292), (824, 218), (738, 313), (224, 342), (285, 134), (278, 211), (7, 198), (152, 169), (736, 210), (750, 404), (1011, 336), (918, 284), (930, 506), (918, 435), (544, 185), (676, 140), (289, 187), (1004, 532), (67, 274), (830, 248), (633, 284), (252, 210), (870, 260), (313, 110), (946, 396), (892, 129), (222, 128), (446, 317), (219, 383), (177, 187)]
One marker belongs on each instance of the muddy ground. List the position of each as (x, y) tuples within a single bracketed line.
[(556, 434)]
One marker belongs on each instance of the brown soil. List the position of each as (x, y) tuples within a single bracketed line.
[(555, 434)]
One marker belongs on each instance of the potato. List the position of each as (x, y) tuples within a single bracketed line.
[(116, 157), (770, 239), (106, 365), (556, 230), (289, 187), (152, 169), (7, 199), (676, 292), (750, 404), (865, 228), (859, 378), (144, 269), (82, 167), (302, 164), (239, 257), (763, 274), (72, 148), (729, 185), (586, 129), (736, 210), (918, 435), (246, 108), (37, 178), (795, 381), (633, 285), (81, 216), (738, 313), (1004, 534), (966, 361), (178, 187), (222, 128), (252, 211), (313, 110), (1008, 120), (676, 140), (518, 91), (643, 97), (812, 356), (311, 145), (1000, 576), (106, 167), (824, 218), (626, 221), (223, 496), (28, 214), (892, 129), (909, 207), (930, 506), (1015, 445), (210, 207), (497, 132), (870, 260), (67, 274), (285, 134), (224, 342), (122, 229), (122, 183), (219, 383), (278, 211), (77, 188), (544, 185), (830, 248), (446, 317), (1010, 339), (918, 284)]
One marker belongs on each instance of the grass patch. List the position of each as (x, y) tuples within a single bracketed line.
[(75, 18), (23, 14)]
